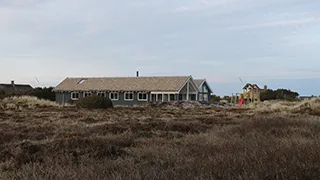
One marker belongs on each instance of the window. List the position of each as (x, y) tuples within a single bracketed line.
[(204, 88), (142, 96), (128, 96), (171, 97), (82, 81), (205, 97), (201, 97), (75, 96), (193, 97), (85, 94), (102, 94), (114, 96)]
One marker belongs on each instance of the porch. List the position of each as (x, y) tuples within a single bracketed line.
[(167, 97)]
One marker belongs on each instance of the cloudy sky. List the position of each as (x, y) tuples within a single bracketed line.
[(274, 42)]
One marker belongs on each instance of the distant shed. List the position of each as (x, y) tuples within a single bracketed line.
[(19, 89)]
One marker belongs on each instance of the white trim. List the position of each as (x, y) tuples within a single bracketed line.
[(129, 92), (159, 92), (75, 99), (192, 83), (188, 90), (209, 88), (114, 93), (142, 99)]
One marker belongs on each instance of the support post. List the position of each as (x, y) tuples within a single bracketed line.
[(188, 84)]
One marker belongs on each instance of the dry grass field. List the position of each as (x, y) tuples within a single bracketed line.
[(265, 142)]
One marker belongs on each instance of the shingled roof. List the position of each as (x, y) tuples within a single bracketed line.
[(199, 82), (165, 83), (15, 88)]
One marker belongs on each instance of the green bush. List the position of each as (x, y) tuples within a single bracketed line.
[(215, 98), (279, 94), (94, 102), (44, 93)]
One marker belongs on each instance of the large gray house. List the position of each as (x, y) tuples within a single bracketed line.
[(129, 91)]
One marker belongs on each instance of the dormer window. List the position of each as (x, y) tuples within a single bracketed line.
[(82, 81)]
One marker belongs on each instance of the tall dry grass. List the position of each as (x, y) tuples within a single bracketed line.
[(25, 102), (154, 143), (311, 106)]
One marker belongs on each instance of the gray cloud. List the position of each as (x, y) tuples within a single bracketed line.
[(220, 40)]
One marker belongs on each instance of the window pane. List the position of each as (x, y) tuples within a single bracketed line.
[(143, 96), (129, 96)]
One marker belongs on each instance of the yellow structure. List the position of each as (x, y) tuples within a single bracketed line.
[(251, 94)]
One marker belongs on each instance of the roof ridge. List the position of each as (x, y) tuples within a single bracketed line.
[(126, 77)]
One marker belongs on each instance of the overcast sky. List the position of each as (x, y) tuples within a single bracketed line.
[(274, 42)]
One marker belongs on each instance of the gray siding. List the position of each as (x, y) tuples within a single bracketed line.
[(135, 101), (64, 98)]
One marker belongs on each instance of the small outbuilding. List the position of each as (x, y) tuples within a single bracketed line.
[(15, 89)]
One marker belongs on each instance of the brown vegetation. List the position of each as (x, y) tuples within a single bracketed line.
[(155, 143)]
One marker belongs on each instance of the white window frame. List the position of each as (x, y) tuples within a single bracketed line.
[(87, 93), (72, 93), (104, 94), (114, 93), (125, 98), (142, 99)]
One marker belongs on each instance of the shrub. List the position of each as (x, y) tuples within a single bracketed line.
[(215, 98), (44, 93), (281, 94), (95, 102)]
